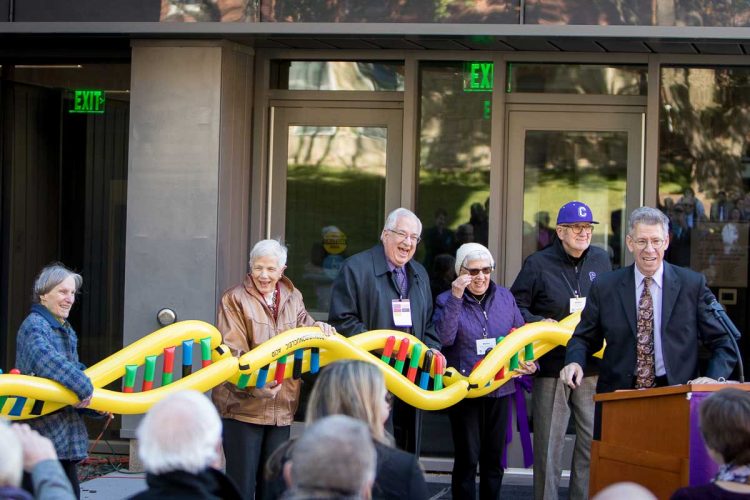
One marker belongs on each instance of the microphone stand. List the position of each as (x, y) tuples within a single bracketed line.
[(731, 331)]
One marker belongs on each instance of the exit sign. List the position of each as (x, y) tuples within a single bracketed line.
[(88, 101), (478, 76)]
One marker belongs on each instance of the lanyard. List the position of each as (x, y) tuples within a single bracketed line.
[(575, 291)]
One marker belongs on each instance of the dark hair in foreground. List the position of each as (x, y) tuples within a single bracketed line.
[(725, 424)]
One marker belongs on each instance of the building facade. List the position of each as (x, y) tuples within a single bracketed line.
[(148, 144)]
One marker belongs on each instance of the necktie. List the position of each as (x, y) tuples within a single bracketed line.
[(645, 366), (400, 281)]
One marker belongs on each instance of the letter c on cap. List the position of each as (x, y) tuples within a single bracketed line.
[(581, 211)]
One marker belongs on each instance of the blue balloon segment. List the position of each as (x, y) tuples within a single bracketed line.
[(424, 380), (299, 355), (314, 360), (17, 407), (262, 375), (187, 352)]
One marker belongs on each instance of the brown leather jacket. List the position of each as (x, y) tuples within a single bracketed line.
[(245, 322)]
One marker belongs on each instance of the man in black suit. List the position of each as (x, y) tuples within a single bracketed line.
[(384, 287), (678, 319)]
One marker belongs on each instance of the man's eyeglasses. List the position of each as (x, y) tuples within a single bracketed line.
[(405, 236), (656, 243), (474, 272), (579, 228)]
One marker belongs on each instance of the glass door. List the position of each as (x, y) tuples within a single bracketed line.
[(559, 156), (336, 172)]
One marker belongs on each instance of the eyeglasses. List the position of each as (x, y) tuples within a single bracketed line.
[(405, 236), (656, 243), (579, 228), (483, 270)]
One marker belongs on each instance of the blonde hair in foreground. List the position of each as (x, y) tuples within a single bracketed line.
[(352, 388)]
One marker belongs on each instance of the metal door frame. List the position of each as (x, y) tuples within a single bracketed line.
[(326, 115), (522, 118)]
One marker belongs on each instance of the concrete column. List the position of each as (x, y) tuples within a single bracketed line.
[(188, 181)]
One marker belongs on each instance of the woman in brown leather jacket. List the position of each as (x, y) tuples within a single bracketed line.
[(256, 421)]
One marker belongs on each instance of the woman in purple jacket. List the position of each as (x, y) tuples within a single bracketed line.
[(468, 319)]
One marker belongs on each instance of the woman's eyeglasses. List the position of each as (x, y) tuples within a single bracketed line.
[(474, 272)]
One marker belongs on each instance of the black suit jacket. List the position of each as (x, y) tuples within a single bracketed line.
[(364, 288), (610, 315)]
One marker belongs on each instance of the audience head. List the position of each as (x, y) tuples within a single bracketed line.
[(631, 491), (181, 432), (353, 388), (725, 425), (334, 458), (11, 456)]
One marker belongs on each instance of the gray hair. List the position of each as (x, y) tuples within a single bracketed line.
[(335, 454), (649, 217), (11, 456), (181, 432), (393, 217), (50, 277), (269, 248)]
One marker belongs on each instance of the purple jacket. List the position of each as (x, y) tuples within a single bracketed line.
[(460, 322)]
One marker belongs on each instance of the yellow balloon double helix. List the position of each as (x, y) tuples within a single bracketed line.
[(23, 396)]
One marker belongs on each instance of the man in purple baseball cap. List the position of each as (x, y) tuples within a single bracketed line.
[(575, 212), (553, 284)]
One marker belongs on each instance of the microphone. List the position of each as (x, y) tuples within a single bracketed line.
[(721, 314), (729, 327)]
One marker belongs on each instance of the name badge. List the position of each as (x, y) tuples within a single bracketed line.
[(483, 345), (577, 304), (401, 309)]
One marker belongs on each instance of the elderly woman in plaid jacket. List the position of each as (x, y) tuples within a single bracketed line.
[(46, 346)]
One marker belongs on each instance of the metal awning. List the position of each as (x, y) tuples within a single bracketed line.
[(18, 37)]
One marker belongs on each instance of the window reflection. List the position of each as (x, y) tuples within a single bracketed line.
[(638, 12), (704, 170), (577, 79), (338, 75), (335, 202), (560, 166), (454, 166)]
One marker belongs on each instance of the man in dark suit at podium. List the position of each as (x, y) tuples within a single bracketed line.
[(652, 331)]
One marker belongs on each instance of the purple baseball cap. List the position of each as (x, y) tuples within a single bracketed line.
[(575, 212)]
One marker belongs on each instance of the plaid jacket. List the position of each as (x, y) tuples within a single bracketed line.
[(46, 348)]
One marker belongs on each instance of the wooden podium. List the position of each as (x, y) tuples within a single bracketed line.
[(651, 437)]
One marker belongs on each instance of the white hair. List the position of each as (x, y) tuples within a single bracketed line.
[(393, 217), (11, 456), (269, 248), (335, 453), (50, 277), (180, 432), (472, 251)]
